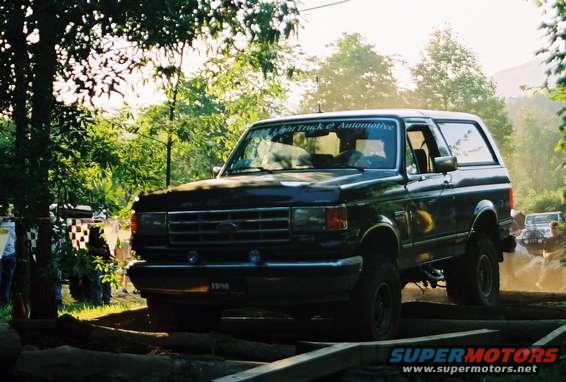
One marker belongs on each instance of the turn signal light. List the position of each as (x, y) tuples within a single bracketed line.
[(336, 218), (511, 199), (134, 223)]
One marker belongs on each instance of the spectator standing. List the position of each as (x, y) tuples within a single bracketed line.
[(101, 293), (8, 262), (552, 254)]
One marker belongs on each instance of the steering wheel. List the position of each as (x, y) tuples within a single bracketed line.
[(370, 161), (348, 157)]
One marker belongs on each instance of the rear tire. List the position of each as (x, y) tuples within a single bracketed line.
[(375, 307), (473, 279), (169, 317)]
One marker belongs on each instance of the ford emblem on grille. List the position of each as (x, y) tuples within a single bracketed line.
[(227, 227)]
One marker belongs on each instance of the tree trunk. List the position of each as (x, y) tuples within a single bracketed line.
[(43, 303), (17, 39)]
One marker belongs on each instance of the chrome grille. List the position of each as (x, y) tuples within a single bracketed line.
[(258, 225)]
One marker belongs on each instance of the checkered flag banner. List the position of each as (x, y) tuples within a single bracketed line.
[(78, 232), (77, 229), (32, 237)]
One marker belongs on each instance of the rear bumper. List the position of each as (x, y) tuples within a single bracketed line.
[(266, 284)]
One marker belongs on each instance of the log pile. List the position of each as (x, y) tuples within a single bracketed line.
[(122, 355), (79, 350)]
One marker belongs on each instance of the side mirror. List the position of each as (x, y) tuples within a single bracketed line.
[(445, 164), (216, 170)]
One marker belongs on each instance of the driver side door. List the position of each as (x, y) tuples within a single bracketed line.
[(430, 201)]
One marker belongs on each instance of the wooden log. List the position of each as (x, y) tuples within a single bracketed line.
[(10, 346), (516, 297), (73, 364), (517, 330), (101, 337), (34, 324), (420, 309), (468, 312)]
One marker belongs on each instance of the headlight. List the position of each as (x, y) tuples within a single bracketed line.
[(312, 219), (152, 223)]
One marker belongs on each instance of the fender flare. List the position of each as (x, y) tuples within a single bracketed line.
[(384, 223)]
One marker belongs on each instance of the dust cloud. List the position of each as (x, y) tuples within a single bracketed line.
[(522, 271)]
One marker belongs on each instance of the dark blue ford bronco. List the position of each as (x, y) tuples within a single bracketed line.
[(330, 213)]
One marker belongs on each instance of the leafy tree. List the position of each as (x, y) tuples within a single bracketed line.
[(213, 109), (355, 76), (546, 201), (535, 166), (555, 52), (90, 46), (450, 78)]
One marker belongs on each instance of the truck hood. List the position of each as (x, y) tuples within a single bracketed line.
[(262, 190)]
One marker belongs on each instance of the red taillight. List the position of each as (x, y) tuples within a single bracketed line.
[(134, 223), (511, 200), (336, 218)]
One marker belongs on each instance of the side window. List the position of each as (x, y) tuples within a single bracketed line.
[(467, 143), (410, 164), (423, 147)]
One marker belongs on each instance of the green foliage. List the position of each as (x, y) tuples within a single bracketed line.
[(212, 110), (450, 78), (535, 166), (5, 313), (6, 158), (546, 201), (555, 54), (353, 77), (108, 270)]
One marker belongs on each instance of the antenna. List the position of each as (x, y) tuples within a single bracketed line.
[(318, 88)]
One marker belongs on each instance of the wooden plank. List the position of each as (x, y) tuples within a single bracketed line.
[(340, 356), (552, 337), (302, 367)]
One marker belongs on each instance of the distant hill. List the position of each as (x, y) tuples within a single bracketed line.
[(510, 81)]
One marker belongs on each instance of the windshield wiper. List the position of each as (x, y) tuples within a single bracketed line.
[(246, 169), (360, 169)]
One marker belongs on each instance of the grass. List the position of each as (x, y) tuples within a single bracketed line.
[(84, 311)]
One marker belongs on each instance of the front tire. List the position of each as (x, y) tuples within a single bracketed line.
[(473, 279), (375, 307)]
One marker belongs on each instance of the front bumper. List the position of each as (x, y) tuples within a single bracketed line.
[(267, 284)]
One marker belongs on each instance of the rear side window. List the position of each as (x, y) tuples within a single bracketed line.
[(467, 143)]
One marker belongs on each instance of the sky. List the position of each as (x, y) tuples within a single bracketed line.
[(502, 33)]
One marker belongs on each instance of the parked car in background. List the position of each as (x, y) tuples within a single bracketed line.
[(537, 231), (330, 213)]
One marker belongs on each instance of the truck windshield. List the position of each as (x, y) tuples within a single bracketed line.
[(541, 219), (361, 144)]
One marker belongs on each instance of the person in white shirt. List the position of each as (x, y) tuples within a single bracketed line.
[(8, 262)]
